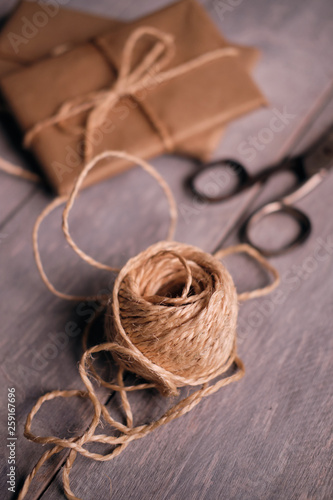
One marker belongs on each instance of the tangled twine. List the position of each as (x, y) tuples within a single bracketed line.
[(171, 319)]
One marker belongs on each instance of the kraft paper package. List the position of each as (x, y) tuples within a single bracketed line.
[(39, 29), (36, 30), (192, 107)]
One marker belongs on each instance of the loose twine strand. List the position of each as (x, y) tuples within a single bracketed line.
[(171, 319), (16, 171)]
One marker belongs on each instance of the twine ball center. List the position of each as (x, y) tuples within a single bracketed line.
[(175, 310)]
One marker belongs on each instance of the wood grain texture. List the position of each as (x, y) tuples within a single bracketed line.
[(268, 436)]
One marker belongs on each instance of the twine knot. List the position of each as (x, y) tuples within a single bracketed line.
[(130, 80)]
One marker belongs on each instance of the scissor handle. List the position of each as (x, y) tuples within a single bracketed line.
[(302, 220), (227, 164)]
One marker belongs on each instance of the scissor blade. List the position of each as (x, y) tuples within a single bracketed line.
[(320, 155), (306, 124)]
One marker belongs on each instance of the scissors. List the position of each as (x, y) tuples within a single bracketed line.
[(309, 169)]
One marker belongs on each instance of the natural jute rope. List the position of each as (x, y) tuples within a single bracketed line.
[(171, 319)]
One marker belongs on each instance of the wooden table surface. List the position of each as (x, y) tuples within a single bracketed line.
[(268, 436)]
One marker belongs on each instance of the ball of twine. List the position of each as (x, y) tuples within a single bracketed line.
[(171, 319), (174, 310)]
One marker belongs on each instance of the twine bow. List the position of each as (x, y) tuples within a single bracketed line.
[(130, 80)]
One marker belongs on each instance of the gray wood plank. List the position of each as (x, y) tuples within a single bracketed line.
[(121, 9), (294, 68)]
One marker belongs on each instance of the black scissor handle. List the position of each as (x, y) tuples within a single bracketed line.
[(227, 165), (302, 220)]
